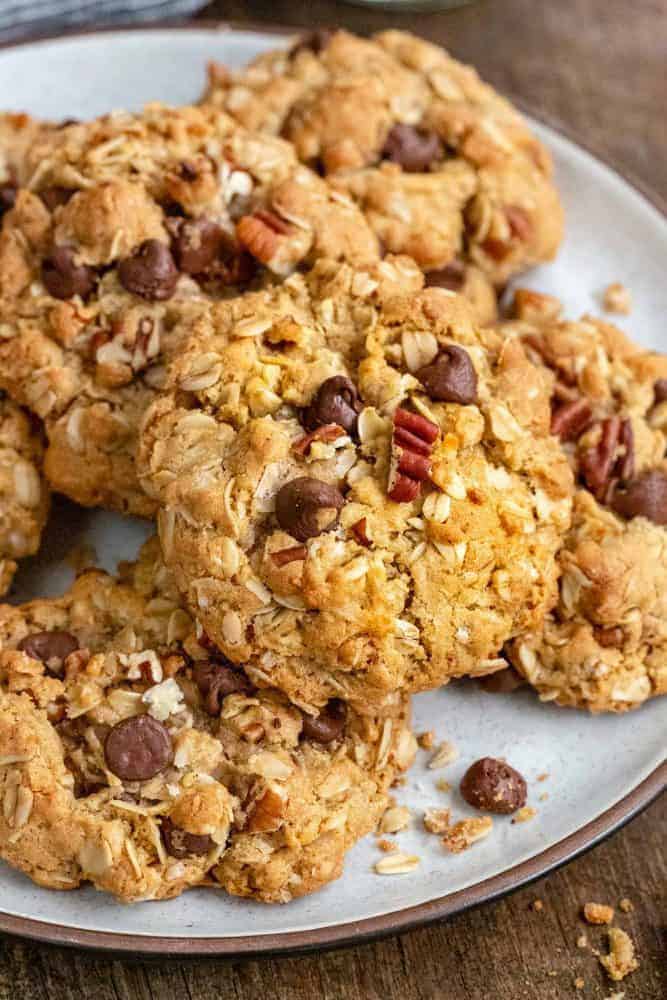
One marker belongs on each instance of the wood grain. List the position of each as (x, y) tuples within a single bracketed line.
[(598, 67)]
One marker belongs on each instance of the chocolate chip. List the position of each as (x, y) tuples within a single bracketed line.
[(53, 197), (198, 243), (138, 748), (451, 277), (216, 680), (328, 725), (150, 272), (335, 402), (645, 496), (451, 378), (306, 507), (8, 194), (315, 41), (660, 390), (64, 278), (493, 786), (413, 149), (51, 648), (179, 843)]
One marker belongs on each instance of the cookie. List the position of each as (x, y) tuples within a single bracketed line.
[(24, 497), (604, 645), (134, 757), (124, 227), (444, 168), (359, 490)]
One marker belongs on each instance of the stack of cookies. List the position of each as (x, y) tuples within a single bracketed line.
[(269, 323)]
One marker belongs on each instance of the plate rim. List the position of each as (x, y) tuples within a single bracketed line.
[(408, 918)]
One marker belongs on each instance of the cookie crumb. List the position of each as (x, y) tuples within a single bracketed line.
[(579, 983), (626, 905), (621, 960), (442, 785), (426, 740), (446, 753), (537, 905), (387, 846), (582, 941), (598, 913), (436, 820), (466, 832), (543, 776), (524, 814), (616, 996), (394, 819), (617, 298), (397, 864)]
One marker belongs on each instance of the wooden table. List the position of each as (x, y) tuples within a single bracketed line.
[(598, 68)]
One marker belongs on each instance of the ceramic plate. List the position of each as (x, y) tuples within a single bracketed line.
[(600, 770)]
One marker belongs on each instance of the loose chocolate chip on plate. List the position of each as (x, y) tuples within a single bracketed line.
[(138, 748), (216, 680), (306, 507), (64, 278), (198, 243), (179, 843), (150, 272), (51, 648), (335, 402), (413, 149), (494, 786), (645, 496), (451, 378), (328, 725)]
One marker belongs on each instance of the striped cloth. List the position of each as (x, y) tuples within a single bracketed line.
[(25, 17)]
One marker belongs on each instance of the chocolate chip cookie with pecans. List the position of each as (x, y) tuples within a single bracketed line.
[(24, 496), (359, 493), (444, 168), (134, 756), (604, 645), (124, 226)]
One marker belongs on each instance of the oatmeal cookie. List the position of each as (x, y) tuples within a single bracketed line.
[(24, 497), (135, 757), (604, 645), (359, 491), (442, 165), (123, 228)]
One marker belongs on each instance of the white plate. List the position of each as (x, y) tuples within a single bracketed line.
[(600, 770)]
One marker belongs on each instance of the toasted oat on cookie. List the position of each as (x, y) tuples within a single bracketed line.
[(122, 228), (443, 166), (604, 646), (24, 496), (358, 489), (135, 757)]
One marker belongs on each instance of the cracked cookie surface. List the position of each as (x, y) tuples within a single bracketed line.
[(359, 491), (24, 496), (604, 645), (444, 168), (122, 228), (133, 756)]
